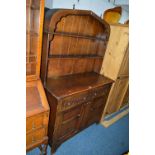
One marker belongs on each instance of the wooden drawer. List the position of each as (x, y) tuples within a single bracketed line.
[(77, 99), (35, 137), (69, 127), (67, 115), (36, 122)]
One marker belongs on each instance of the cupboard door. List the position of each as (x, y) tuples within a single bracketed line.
[(116, 95), (93, 111), (69, 122)]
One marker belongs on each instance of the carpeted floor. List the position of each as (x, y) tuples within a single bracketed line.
[(96, 140)]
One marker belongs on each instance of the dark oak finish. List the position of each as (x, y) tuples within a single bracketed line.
[(74, 44), (37, 108), (68, 46), (70, 84), (76, 101)]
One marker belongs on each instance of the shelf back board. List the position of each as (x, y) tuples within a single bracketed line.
[(74, 42)]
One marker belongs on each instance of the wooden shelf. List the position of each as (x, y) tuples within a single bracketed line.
[(74, 56), (103, 38)]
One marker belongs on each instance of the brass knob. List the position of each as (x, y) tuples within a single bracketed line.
[(87, 103)]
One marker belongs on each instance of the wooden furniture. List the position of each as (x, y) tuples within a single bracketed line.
[(127, 22), (74, 43), (116, 66), (112, 16), (37, 109)]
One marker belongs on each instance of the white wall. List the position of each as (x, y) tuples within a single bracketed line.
[(97, 6), (49, 4)]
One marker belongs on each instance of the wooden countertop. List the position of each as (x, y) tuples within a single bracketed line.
[(67, 85)]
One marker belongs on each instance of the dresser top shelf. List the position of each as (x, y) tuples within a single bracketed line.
[(70, 84)]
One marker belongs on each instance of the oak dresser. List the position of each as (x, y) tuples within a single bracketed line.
[(74, 43)]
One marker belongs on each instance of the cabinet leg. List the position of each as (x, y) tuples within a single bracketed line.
[(43, 149), (52, 153), (53, 149)]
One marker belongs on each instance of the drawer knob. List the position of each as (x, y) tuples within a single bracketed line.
[(88, 103)]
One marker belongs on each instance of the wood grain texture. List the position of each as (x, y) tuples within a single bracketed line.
[(68, 47), (115, 52), (76, 101), (37, 108), (116, 95), (73, 65), (37, 115), (116, 66), (35, 98), (126, 98), (34, 28), (75, 83), (124, 69), (74, 44), (53, 16)]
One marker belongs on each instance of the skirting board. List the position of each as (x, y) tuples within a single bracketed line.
[(107, 123)]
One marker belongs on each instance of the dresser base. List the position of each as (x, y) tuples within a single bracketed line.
[(55, 146)]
